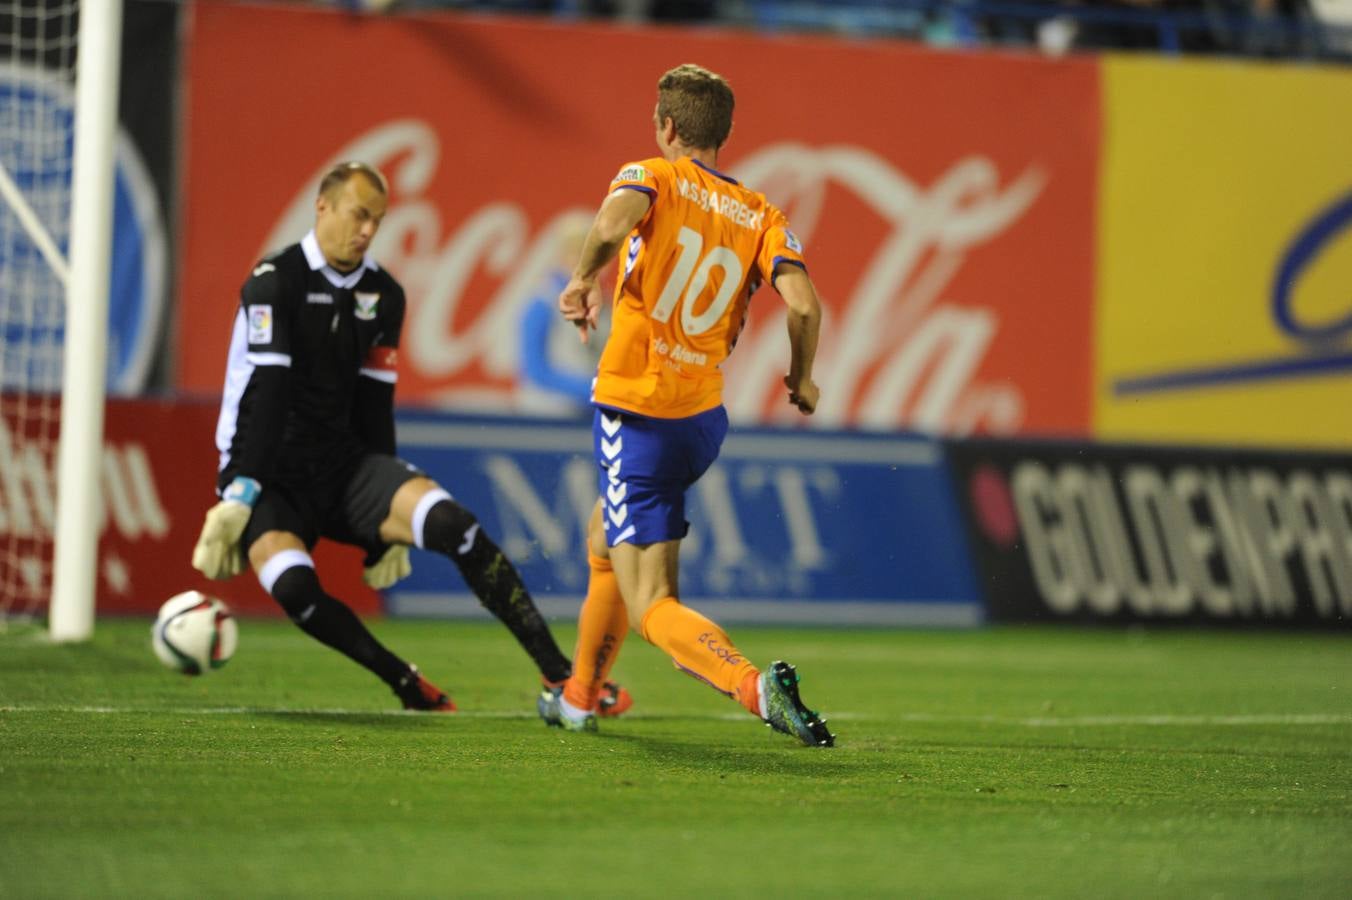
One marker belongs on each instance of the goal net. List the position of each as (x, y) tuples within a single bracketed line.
[(49, 261)]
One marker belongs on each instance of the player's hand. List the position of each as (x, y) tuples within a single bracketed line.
[(803, 393), (580, 303), (392, 566), (218, 554)]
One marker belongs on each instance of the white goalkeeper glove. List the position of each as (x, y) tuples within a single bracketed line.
[(218, 554), (392, 566)]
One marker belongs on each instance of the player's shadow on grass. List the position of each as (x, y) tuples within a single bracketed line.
[(376, 721), (779, 755)]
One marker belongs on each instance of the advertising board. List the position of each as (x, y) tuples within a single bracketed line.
[(1098, 533), (820, 528), (1225, 251), (157, 479), (946, 201)]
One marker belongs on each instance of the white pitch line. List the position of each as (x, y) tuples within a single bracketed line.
[(1147, 720), (252, 711), (1025, 722), (1086, 721)]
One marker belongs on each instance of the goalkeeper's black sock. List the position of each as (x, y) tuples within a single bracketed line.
[(332, 623), (452, 531)]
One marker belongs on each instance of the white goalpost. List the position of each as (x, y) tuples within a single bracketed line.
[(71, 616), (54, 319)]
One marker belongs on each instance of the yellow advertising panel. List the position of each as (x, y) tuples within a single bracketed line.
[(1224, 277)]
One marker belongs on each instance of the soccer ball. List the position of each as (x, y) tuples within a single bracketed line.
[(194, 633)]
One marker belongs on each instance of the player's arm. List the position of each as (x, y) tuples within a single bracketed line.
[(805, 318), (265, 311), (373, 421), (266, 301), (580, 301), (373, 411), (373, 400), (270, 395)]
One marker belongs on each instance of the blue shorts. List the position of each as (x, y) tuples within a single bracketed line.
[(646, 465)]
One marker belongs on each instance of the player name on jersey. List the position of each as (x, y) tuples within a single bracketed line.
[(723, 204)]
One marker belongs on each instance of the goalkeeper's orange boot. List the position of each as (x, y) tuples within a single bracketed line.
[(614, 701), (416, 692)]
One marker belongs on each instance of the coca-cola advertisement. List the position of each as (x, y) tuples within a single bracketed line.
[(946, 203)]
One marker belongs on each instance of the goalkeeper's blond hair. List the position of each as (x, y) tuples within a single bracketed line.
[(335, 178)]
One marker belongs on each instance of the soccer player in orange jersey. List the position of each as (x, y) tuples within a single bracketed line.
[(695, 245)]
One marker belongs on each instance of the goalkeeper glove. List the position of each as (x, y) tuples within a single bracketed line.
[(218, 554), (392, 566)]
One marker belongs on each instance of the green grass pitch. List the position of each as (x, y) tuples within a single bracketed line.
[(993, 763)]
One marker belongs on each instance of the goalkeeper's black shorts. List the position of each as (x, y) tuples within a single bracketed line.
[(345, 505)]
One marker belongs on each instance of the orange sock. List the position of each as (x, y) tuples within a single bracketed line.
[(700, 648), (602, 626), (748, 693)]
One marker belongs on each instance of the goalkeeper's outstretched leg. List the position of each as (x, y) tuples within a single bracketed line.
[(287, 573), (425, 515)]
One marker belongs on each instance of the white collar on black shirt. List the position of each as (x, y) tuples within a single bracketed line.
[(315, 257)]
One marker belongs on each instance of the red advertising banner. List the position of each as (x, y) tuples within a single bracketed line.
[(157, 479), (946, 200)]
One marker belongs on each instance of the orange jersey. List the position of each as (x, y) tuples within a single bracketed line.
[(687, 273)]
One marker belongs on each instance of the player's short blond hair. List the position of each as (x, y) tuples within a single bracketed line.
[(700, 104), (335, 178)]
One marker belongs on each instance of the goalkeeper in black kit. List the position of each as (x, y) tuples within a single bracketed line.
[(307, 448)]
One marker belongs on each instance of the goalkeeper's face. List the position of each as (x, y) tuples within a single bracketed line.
[(346, 220)]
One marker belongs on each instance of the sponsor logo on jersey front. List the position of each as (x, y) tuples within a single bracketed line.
[(366, 305), (319, 297), (679, 353), (260, 323)]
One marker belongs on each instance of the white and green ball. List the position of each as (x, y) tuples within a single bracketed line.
[(194, 633)]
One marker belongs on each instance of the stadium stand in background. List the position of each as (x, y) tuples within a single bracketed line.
[(1278, 29)]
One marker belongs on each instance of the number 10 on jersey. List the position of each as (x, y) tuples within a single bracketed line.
[(689, 278)]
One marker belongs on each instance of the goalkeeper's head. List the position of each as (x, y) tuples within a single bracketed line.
[(348, 211), (699, 103)]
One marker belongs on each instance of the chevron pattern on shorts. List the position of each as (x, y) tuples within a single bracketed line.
[(617, 510)]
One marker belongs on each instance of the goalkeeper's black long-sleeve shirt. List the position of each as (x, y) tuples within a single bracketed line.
[(309, 385)]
